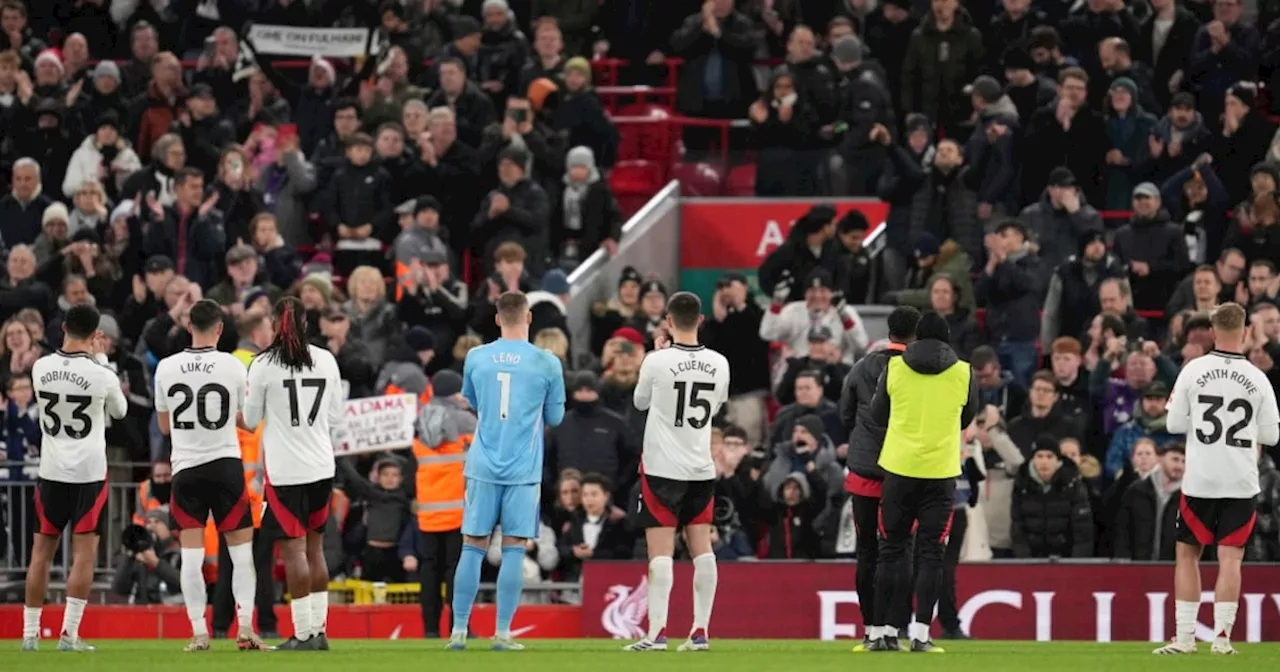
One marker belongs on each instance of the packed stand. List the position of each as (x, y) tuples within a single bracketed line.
[(1071, 187)]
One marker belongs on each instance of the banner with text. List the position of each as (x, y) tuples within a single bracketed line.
[(1041, 602), (372, 424), (307, 42), (722, 235)]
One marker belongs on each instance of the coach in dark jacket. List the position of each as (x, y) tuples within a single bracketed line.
[(1051, 514)]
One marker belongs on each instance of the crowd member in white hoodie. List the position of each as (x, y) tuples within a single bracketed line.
[(791, 322), (105, 157)]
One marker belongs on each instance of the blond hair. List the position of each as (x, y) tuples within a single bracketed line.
[(464, 344), (1228, 317), (553, 340), (367, 274)]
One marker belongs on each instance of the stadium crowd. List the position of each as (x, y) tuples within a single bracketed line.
[(153, 160)]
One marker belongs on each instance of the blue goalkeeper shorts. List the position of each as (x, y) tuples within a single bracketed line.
[(514, 507)]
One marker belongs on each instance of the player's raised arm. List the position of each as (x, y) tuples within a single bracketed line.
[(1178, 421), (643, 395), (553, 407), (255, 396)]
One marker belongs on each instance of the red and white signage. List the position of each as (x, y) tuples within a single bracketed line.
[(1041, 602)]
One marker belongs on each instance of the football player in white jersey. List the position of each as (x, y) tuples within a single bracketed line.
[(1227, 409), (682, 385), (298, 389), (75, 392), (199, 392)]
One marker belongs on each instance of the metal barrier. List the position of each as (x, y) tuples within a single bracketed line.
[(19, 524)]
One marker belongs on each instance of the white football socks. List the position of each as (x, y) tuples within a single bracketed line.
[(300, 610), (31, 622), (660, 580), (319, 611), (243, 584), (71, 617), (919, 631), (1184, 613), (194, 593), (1224, 619), (705, 577)]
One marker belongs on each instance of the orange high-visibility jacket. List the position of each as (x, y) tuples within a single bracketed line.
[(440, 484), (251, 456)]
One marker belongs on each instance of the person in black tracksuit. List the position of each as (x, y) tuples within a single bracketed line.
[(591, 439), (866, 436)]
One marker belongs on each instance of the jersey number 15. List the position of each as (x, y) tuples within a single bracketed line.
[(695, 401)]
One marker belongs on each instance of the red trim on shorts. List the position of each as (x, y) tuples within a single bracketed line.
[(88, 523), (1241, 536), (184, 520), (235, 517), (707, 515), (289, 524), (880, 521), (318, 518), (863, 487), (1203, 536), (660, 513), (46, 527), (946, 531)]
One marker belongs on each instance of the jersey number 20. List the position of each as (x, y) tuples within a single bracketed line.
[(202, 406), (1210, 416), (695, 401)]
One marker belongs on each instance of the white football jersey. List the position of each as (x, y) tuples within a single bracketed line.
[(301, 409), (683, 388), (1226, 407), (202, 390), (75, 393)]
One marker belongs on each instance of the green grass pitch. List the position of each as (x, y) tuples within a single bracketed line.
[(605, 656)]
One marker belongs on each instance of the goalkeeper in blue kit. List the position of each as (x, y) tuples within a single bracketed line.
[(517, 390)]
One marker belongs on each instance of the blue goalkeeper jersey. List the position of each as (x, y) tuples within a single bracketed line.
[(517, 390)]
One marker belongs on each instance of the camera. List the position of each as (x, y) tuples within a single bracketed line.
[(518, 116), (137, 539)]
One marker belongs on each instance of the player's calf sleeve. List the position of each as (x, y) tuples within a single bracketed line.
[(194, 593), (705, 577), (510, 586), (300, 612), (72, 615), (466, 583), (319, 611), (243, 583), (660, 580), (1224, 618), (1184, 614)]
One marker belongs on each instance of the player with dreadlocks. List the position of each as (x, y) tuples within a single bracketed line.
[(297, 387)]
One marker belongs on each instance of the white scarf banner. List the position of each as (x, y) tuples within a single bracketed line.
[(295, 41)]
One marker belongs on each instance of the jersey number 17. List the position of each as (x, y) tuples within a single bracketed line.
[(292, 386)]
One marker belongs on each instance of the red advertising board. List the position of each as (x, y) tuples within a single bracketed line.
[(737, 234), (1044, 602), (384, 621)]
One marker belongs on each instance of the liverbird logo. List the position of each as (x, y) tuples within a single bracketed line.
[(625, 609)]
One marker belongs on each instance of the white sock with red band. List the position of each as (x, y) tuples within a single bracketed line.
[(1224, 619)]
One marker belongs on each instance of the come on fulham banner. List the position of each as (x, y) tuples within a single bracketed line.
[(308, 42)]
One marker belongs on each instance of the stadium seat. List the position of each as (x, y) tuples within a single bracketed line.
[(697, 179), (635, 182), (742, 181), (648, 140)]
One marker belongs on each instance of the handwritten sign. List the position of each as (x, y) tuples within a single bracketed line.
[(374, 424)]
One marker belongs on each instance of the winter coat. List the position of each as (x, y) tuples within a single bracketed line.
[(865, 435), (1120, 450), (1193, 140), (1264, 545), (386, 511), (792, 531), (1234, 157), (945, 206), (1081, 149), (1009, 397), (593, 208), (933, 80), (1051, 519), (785, 421), (1086, 28), (581, 119), (614, 543), (952, 261), (966, 333), (731, 53), (356, 196), (527, 221), (204, 140), (87, 163), (144, 585), (152, 114), (794, 260), (1173, 57), (473, 108), (863, 99), (238, 207), (787, 164), (1135, 525), (996, 163), (1058, 232), (1159, 243), (155, 178), (1128, 134), (375, 328), (1211, 74), (830, 377), (1257, 242), (738, 339), (443, 312), (1006, 32), (1211, 227), (503, 53), (791, 324), (1003, 461), (1030, 98), (591, 439), (285, 190), (1013, 294), (576, 18), (206, 242), (1024, 429), (1072, 298), (21, 224)]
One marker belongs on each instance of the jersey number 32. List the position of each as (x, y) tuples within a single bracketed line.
[(1211, 417)]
